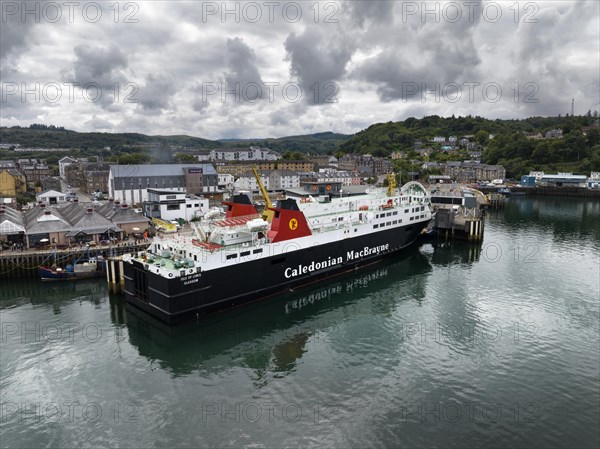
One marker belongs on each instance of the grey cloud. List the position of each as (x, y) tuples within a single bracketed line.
[(96, 64), (375, 12), (15, 29), (318, 57), (99, 123), (156, 94), (242, 70), (97, 70)]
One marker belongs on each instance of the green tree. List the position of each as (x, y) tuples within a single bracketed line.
[(482, 136)]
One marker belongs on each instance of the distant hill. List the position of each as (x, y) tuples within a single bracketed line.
[(321, 143), (40, 136)]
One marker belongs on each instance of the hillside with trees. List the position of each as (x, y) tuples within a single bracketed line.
[(577, 151), (319, 143), (43, 136)]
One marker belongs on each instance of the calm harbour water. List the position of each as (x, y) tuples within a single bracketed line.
[(444, 345)]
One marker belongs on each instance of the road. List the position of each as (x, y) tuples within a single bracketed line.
[(83, 197)]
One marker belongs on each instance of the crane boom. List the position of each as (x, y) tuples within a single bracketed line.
[(267, 214)]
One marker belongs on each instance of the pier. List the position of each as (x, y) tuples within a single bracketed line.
[(495, 200), (458, 212), (114, 274), (17, 264)]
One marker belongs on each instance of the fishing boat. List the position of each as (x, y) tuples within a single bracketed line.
[(82, 268)]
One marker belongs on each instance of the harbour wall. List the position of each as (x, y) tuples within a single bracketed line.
[(17, 264)]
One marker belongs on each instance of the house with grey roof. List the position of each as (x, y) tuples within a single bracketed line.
[(51, 197), (12, 225), (130, 183), (68, 223)]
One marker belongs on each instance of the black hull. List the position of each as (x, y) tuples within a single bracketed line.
[(173, 302)]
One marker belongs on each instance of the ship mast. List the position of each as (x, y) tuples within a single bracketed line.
[(267, 214)]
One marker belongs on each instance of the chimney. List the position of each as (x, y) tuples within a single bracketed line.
[(47, 212), (110, 200), (76, 200), (117, 202), (124, 206), (42, 205), (89, 210)]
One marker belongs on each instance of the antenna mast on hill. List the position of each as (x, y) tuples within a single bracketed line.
[(572, 107)]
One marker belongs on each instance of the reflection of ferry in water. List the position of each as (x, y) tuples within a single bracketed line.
[(275, 333), (241, 257)]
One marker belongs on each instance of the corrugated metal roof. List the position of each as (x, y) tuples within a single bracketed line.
[(138, 171)]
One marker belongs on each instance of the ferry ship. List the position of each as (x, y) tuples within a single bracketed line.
[(240, 256)]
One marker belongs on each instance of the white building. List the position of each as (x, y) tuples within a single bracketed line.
[(240, 154), (345, 178), (537, 174), (169, 205), (51, 197), (273, 180), (439, 139), (62, 164), (247, 182), (225, 180), (283, 179)]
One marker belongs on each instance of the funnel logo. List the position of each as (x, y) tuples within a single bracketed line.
[(293, 224)]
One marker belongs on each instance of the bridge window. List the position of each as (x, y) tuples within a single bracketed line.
[(231, 256), (257, 251)]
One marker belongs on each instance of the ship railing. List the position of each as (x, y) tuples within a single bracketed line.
[(233, 223)]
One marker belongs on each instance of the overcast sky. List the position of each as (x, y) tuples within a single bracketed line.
[(271, 69)]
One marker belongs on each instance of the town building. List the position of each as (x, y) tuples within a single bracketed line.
[(238, 154), (365, 165), (593, 181), (51, 183), (346, 178), (225, 181), (33, 170), (563, 180), (237, 169), (537, 175), (554, 134), (12, 182), (273, 180), (169, 205), (323, 161), (68, 223), (130, 183), (247, 181), (63, 163), (51, 197), (470, 171)]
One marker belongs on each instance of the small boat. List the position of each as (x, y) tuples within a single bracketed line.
[(82, 268)]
